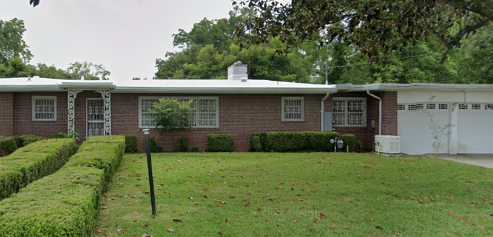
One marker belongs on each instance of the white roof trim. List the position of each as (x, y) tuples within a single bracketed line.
[(415, 86), (167, 86)]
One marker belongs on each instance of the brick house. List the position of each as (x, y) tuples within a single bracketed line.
[(241, 106)]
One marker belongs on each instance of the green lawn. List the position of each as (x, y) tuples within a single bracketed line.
[(303, 194)]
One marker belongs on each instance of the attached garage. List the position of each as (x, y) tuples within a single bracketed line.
[(446, 119)]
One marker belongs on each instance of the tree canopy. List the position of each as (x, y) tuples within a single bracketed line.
[(374, 26), (209, 48), (12, 44)]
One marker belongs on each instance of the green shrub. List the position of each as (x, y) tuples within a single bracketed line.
[(262, 139), (220, 143), (292, 141), (320, 141), (256, 145), (63, 204), (24, 140), (32, 162), (67, 202), (195, 149), (351, 142), (131, 144), (154, 147), (7, 146), (183, 144)]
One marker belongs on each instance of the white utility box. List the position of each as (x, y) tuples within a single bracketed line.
[(388, 145)]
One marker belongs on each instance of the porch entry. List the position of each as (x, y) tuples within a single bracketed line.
[(94, 117)]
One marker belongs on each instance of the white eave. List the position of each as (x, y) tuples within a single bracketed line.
[(166, 86), (414, 86), (250, 86)]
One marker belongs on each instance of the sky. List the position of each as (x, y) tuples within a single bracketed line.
[(126, 36)]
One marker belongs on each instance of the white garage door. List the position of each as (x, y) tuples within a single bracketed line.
[(424, 127), (475, 128)]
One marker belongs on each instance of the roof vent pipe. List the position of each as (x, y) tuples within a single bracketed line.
[(238, 71), (379, 111)]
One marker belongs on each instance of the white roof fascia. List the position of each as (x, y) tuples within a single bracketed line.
[(417, 86), (87, 85)]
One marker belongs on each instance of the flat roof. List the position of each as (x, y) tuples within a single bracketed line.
[(250, 86)]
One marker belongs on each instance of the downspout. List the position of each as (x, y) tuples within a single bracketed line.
[(379, 111), (322, 110)]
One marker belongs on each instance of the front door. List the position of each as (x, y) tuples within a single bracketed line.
[(95, 117)]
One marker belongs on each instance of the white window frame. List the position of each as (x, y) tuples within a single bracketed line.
[(283, 117), (346, 112), (33, 108), (216, 98)]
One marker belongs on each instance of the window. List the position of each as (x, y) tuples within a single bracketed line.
[(476, 106), (463, 106), (349, 112), (401, 107), (442, 106), (293, 109), (204, 115), (430, 106), (488, 107), (412, 107), (44, 108)]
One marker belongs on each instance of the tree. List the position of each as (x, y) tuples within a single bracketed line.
[(172, 115), (12, 44), (88, 70), (208, 49), (34, 2), (15, 67), (374, 26)]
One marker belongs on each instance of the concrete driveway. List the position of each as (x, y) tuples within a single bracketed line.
[(485, 160)]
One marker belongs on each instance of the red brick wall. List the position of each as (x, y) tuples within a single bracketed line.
[(389, 120), (6, 114), (23, 123), (239, 115)]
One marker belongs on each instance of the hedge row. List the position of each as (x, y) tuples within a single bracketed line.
[(32, 162), (67, 202), (300, 141), (12, 143), (220, 143)]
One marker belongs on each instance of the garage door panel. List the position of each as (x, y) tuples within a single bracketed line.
[(475, 129), (415, 128)]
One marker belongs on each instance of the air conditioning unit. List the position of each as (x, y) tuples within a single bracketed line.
[(388, 145)]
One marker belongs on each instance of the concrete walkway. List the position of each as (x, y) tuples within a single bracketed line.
[(485, 160)]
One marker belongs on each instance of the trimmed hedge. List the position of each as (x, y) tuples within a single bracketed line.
[(63, 204), (299, 141), (7, 146), (10, 144), (32, 162), (131, 144), (67, 202), (220, 143)]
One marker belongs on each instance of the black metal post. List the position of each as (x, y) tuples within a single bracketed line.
[(151, 180)]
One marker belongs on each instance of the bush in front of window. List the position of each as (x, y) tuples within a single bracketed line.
[(130, 144), (299, 141), (183, 144), (220, 143)]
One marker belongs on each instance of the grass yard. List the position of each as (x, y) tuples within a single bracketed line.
[(302, 194)]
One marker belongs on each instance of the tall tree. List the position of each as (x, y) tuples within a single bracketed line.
[(208, 49), (12, 44), (374, 26)]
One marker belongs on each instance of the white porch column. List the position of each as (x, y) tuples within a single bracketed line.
[(72, 94), (106, 95)]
